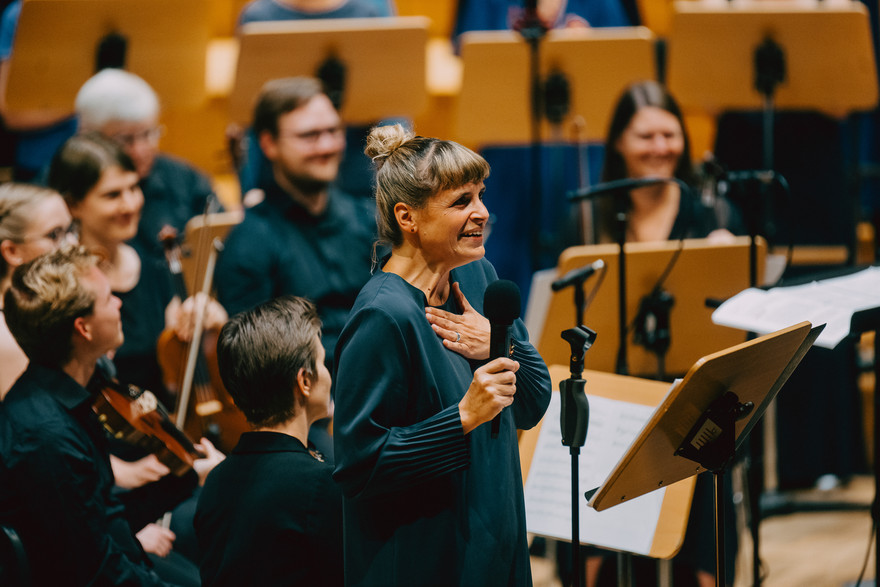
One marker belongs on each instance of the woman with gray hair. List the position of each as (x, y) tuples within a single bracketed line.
[(124, 108)]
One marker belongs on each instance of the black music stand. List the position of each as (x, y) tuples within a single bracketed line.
[(58, 42), (704, 418)]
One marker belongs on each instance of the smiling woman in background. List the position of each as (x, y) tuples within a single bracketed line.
[(647, 138)]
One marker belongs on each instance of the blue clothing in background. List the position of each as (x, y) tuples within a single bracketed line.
[(34, 148), (499, 15), (263, 10)]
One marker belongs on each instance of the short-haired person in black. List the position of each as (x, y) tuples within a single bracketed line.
[(57, 488), (270, 514)]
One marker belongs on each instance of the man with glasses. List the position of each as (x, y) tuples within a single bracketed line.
[(306, 237), (124, 108)]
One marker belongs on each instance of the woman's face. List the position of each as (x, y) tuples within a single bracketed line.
[(111, 210), (451, 226), (652, 144), (50, 228)]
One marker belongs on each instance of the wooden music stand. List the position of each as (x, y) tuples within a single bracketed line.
[(542, 454), (384, 61), (56, 42), (703, 271), (704, 418), (828, 50), (493, 106)]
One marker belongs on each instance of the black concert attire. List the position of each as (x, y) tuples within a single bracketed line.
[(57, 489), (270, 514), (279, 248), (426, 504), (143, 320), (174, 192)]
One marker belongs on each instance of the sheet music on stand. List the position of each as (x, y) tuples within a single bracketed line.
[(629, 528), (620, 406), (832, 301)]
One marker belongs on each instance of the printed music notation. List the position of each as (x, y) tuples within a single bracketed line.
[(613, 427)]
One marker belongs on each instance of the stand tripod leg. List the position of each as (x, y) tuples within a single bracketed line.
[(577, 568)]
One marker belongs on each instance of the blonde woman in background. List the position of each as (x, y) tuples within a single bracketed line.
[(33, 221)]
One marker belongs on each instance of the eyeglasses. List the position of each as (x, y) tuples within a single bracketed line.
[(150, 135), (312, 137), (57, 235)]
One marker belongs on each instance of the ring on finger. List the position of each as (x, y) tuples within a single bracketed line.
[(457, 336)]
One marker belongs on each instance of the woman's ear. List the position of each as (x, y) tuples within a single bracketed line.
[(10, 252), (405, 217)]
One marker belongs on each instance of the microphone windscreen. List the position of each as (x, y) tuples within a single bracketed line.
[(501, 302)]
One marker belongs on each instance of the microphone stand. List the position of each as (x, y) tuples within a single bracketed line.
[(618, 189), (533, 31), (574, 420)]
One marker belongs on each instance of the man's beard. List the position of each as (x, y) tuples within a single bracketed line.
[(307, 186)]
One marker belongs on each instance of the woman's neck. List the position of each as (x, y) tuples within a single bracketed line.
[(653, 212), (112, 249), (412, 267)]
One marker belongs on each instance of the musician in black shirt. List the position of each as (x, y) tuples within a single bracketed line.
[(57, 481)]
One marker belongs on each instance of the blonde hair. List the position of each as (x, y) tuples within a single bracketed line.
[(411, 169), (45, 298), (18, 205)]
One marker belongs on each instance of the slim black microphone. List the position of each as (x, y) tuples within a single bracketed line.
[(618, 186), (501, 304), (767, 176), (577, 276)]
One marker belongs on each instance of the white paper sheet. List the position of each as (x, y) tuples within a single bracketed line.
[(831, 302), (613, 427)]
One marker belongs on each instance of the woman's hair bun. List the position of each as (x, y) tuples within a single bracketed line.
[(384, 140)]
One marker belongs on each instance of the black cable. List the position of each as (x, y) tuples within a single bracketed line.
[(868, 553), (659, 284), (589, 299)]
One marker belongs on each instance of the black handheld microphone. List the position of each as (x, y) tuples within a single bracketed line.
[(501, 305), (577, 276)]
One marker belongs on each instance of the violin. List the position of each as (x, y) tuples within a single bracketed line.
[(137, 417), (190, 368)]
